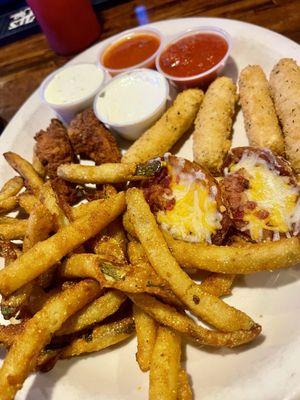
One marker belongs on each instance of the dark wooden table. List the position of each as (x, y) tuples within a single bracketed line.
[(25, 63)]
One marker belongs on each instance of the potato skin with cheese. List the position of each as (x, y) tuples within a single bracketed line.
[(158, 191), (238, 181), (213, 124)]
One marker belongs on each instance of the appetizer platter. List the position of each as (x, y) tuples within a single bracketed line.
[(150, 220)]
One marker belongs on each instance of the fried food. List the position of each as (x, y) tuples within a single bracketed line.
[(169, 316), (260, 119), (26, 201), (45, 254), (82, 266), (218, 284), (93, 313), (213, 125), (146, 329), (165, 365), (38, 166), (210, 308), (90, 139), (49, 199), (38, 226), (100, 338), (187, 201), (184, 391), (262, 194), (53, 148), (22, 356), (159, 139), (11, 188), (13, 231), (9, 333), (285, 90), (245, 259), (33, 181), (9, 204), (105, 173)]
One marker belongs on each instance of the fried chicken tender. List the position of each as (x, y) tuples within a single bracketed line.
[(53, 147), (213, 124), (90, 139), (285, 90), (261, 123)]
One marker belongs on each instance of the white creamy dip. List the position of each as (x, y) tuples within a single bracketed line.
[(131, 97), (73, 83)]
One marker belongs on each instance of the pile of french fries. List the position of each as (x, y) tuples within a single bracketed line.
[(82, 281)]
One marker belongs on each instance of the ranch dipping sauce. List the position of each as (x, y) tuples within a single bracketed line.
[(132, 101), (73, 84)]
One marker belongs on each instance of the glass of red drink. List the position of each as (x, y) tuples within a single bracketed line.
[(70, 26)]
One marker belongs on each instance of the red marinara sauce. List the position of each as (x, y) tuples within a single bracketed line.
[(130, 51), (193, 55)]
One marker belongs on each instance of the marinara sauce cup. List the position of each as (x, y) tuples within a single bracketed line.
[(204, 78), (124, 38)]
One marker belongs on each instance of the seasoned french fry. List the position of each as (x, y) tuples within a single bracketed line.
[(285, 90), (82, 266), (45, 254), (210, 308), (100, 338), (218, 284), (184, 390), (104, 173), (128, 225), (169, 316), (212, 134), (260, 119), (93, 313), (9, 251), (112, 244), (38, 166), (165, 364), (244, 259), (48, 198), (26, 170), (177, 120), (9, 204), (38, 226), (11, 187), (146, 328), (86, 208), (22, 356), (13, 230), (9, 333), (27, 201)]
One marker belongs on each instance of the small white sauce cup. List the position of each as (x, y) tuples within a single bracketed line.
[(69, 109), (133, 129)]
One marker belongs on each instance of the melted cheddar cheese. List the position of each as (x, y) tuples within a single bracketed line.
[(195, 216), (272, 193)]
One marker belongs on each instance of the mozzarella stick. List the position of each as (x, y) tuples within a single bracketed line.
[(260, 120), (159, 139), (285, 89), (212, 134)]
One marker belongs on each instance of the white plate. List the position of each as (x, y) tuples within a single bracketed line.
[(269, 369)]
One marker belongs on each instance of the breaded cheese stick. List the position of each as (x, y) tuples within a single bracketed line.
[(261, 123), (285, 89), (159, 139), (212, 134)]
